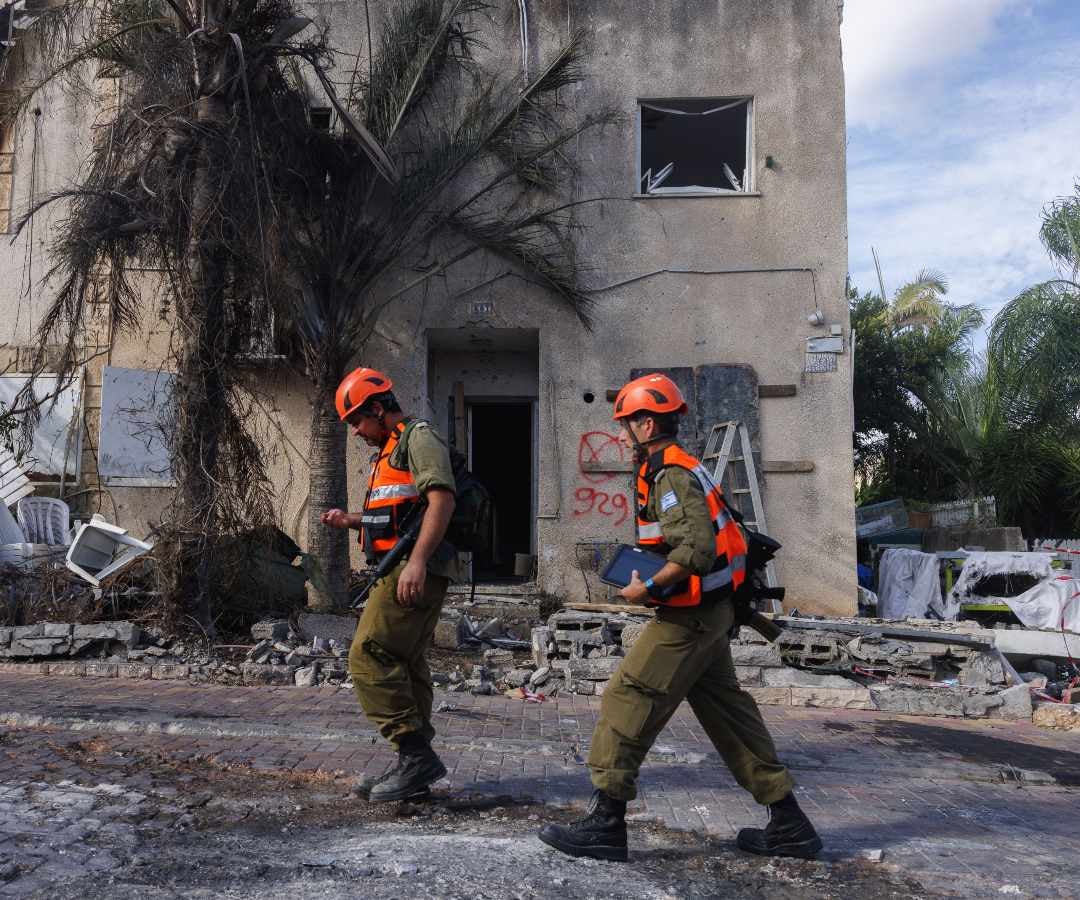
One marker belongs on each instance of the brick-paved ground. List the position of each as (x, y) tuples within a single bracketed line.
[(991, 802)]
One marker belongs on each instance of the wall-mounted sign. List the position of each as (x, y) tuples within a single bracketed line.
[(483, 308)]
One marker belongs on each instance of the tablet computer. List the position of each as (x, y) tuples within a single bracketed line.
[(627, 559)]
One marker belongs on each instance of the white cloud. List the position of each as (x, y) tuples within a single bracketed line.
[(888, 44), (958, 146)]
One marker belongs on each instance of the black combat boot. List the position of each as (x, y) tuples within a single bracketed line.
[(789, 833), (600, 835), (418, 768)]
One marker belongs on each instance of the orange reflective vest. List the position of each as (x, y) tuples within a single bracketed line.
[(391, 495), (729, 570)]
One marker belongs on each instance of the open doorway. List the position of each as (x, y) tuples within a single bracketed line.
[(501, 456), (487, 381)]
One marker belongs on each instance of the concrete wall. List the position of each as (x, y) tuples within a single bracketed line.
[(666, 293)]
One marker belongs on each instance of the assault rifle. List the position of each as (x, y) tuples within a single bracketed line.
[(760, 549), (410, 531)]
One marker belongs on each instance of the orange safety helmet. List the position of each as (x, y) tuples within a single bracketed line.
[(359, 386), (651, 393)]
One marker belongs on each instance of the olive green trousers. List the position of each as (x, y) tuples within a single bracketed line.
[(683, 654), (387, 659)]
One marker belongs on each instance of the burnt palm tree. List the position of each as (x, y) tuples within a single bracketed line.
[(182, 179)]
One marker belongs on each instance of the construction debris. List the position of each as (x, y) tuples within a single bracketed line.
[(294, 658), (929, 669)]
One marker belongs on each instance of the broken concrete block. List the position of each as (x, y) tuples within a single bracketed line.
[(538, 677), (541, 643), (124, 632), (517, 677), (832, 697), (1015, 703), (915, 701), (771, 696), (448, 631), (55, 630), (748, 675), (270, 630), (756, 655), (306, 676), (583, 687), (498, 659), (19, 632), (254, 673), (982, 671), (5, 636), (588, 669), (102, 669), (788, 677), (38, 646)]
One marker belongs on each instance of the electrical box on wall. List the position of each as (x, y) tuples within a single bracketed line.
[(829, 344)]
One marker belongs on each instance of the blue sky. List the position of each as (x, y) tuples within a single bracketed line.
[(963, 121)]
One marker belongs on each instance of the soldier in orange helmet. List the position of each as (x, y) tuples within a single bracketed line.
[(683, 654), (387, 658)]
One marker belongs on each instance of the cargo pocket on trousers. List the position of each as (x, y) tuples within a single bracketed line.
[(382, 657), (641, 696)]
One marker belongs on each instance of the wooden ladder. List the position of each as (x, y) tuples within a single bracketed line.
[(736, 475)]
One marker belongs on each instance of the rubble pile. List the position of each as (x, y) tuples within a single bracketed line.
[(947, 673), (942, 672), (283, 655)]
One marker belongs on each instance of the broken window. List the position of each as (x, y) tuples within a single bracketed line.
[(695, 146), (321, 117), (57, 443)]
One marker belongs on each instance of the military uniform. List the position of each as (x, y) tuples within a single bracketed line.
[(683, 654), (387, 658)]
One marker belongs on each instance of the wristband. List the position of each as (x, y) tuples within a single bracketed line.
[(653, 589)]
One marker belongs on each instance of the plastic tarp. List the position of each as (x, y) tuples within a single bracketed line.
[(1052, 603), (909, 587)]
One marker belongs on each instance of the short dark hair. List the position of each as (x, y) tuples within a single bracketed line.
[(666, 423), (386, 399)]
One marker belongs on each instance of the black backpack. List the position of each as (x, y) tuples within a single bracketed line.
[(470, 525)]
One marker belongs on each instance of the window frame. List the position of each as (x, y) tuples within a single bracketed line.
[(750, 173)]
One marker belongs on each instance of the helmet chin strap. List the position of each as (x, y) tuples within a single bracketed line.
[(641, 448)]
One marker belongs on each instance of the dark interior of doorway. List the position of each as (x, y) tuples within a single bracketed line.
[(502, 458)]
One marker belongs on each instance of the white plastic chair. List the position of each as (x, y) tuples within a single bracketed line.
[(45, 520), (100, 548)]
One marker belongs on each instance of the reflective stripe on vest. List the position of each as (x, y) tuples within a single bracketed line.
[(393, 490), (391, 494), (730, 567)]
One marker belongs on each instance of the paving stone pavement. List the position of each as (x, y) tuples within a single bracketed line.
[(972, 807)]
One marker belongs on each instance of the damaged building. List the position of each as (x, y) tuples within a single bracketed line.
[(718, 254)]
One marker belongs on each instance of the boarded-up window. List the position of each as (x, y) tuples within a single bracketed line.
[(137, 417), (57, 444)]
